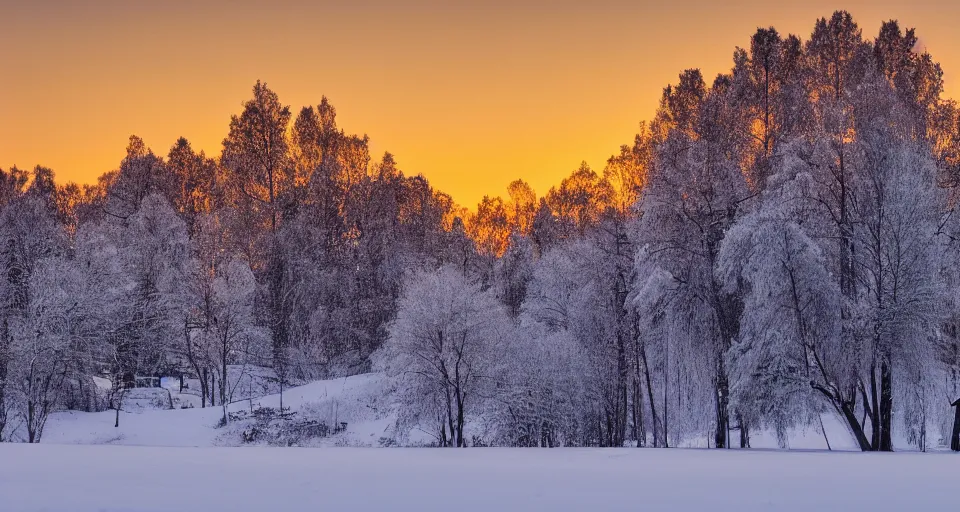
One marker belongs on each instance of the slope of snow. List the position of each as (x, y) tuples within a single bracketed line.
[(141, 479), (361, 401), (348, 399)]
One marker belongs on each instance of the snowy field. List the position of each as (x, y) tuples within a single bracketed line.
[(178, 460), (127, 478)]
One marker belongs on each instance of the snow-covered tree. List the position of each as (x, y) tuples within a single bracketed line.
[(53, 341), (789, 343), (444, 352), (579, 292), (693, 195), (541, 398), (233, 340)]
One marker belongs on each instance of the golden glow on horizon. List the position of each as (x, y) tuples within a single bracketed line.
[(472, 95)]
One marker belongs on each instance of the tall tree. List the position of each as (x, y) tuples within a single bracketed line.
[(256, 155)]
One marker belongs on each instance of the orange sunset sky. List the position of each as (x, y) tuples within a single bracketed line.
[(470, 94)]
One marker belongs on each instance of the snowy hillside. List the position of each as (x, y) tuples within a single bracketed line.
[(360, 401), (353, 400)]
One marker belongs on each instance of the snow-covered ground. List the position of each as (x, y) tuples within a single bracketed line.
[(361, 401), (355, 400), (134, 479), (180, 460)]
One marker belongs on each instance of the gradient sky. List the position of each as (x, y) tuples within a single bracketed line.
[(470, 94)]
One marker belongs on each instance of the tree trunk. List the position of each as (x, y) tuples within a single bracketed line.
[(31, 429), (955, 437), (856, 428), (453, 430), (621, 425), (723, 418), (744, 433), (653, 404), (886, 408), (639, 430), (224, 381), (846, 410), (203, 389), (874, 410), (116, 419), (666, 381), (279, 314), (460, 419), (825, 438)]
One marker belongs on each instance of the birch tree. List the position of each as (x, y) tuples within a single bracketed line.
[(442, 353)]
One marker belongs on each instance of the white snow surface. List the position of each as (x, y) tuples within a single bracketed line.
[(351, 399), (153, 479), (163, 460), (360, 400)]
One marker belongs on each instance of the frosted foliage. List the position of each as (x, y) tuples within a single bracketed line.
[(443, 353)]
